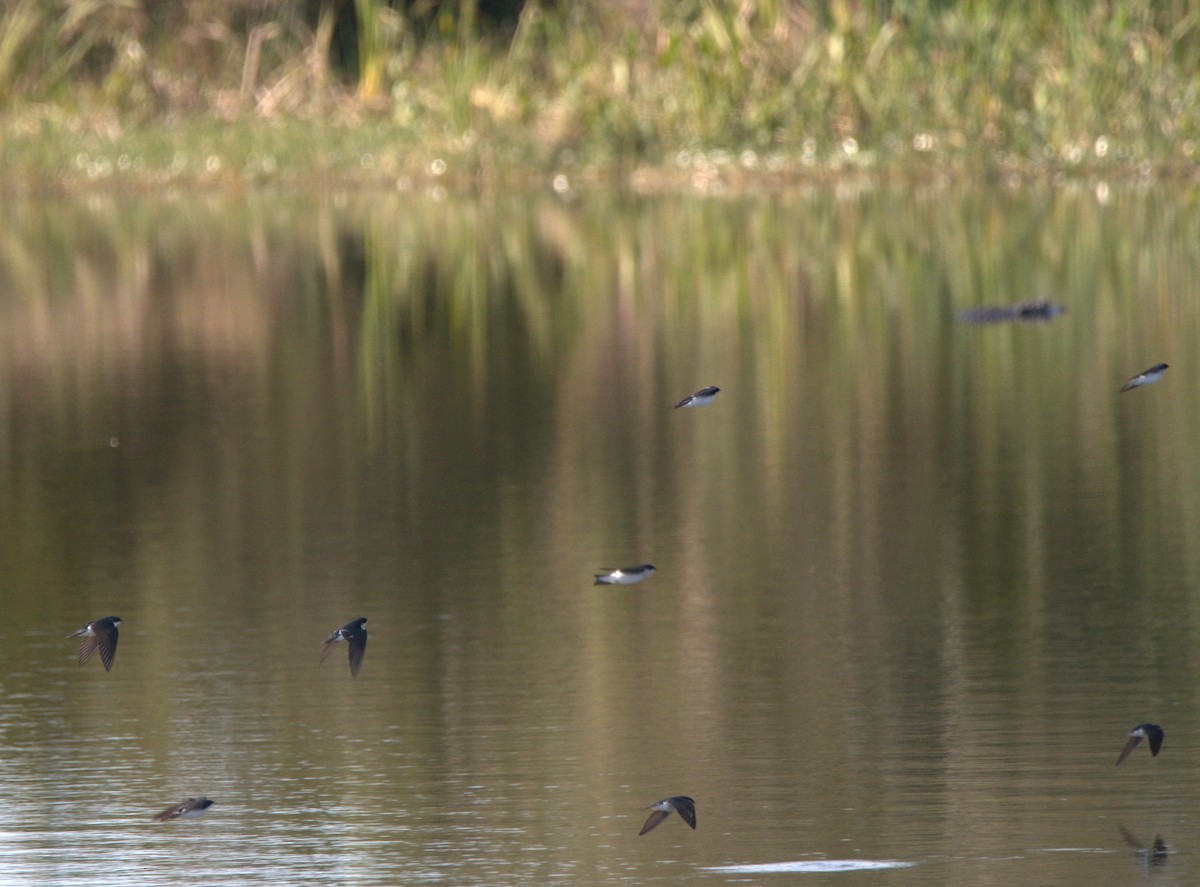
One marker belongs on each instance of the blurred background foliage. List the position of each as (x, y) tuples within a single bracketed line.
[(504, 82)]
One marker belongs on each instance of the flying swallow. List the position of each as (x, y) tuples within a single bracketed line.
[(1153, 732), (680, 804), (625, 575), (357, 637), (189, 809), (99, 635), (699, 399), (1151, 375)]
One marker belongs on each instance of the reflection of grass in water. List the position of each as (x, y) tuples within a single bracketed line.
[(602, 308), (590, 306), (547, 269), (518, 322), (742, 89)]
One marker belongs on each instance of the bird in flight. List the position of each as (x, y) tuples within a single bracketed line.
[(625, 575), (681, 804), (699, 398), (1152, 732), (99, 635), (1145, 378), (354, 634), (189, 809)]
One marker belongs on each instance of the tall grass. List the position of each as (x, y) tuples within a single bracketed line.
[(45, 46), (702, 87)]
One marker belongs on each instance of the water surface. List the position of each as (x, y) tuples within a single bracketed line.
[(916, 579)]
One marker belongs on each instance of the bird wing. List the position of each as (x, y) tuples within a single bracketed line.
[(106, 641), (1156, 740), (358, 648), (330, 643), (686, 808), (654, 819), (1134, 742), (172, 812), (87, 648)]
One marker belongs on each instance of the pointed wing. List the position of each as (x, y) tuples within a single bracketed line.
[(1134, 742), (654, 819), (1156, 739), (87, 648), (358, 649), (173, 812), (330, 643), (686, 808), (106, 641)]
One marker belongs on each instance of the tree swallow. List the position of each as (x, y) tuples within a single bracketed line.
[(1153, 732), (189, 809), (1151, 375), (680, 804), (99, 635), (699, 399), (356, 635), (625, 575)]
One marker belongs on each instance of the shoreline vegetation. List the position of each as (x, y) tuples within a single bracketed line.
[(651, 95)]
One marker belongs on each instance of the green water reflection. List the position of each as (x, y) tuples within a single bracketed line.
[(915, 578)]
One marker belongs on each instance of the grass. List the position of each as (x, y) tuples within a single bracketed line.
[(694, 93)]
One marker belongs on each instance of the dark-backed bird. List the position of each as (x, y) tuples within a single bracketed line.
[(624, 575), (189, 809), (99, 635), (356, 636), (1145, 378), (699, 398), (1152, 732), (681, 804)]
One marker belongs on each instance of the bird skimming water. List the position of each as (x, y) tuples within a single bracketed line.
[(1152, 732), (354, 634), (1145, 378), (699, 398), (625, 575), (99, 635), (189, 809), (681, 804)]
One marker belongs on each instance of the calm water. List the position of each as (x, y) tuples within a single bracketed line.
[(916, 579)]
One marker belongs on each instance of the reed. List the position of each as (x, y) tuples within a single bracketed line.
[(691, 90)]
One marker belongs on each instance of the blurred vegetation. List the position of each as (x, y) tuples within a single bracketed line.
[(360, 355), (698, 92), (460, 406)]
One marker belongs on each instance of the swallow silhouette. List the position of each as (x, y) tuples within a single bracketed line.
[(699, 398), (1152, 732), (99, 635), (625, 575), (681, 804), (1145, 378), (189, 809), (354, 634)]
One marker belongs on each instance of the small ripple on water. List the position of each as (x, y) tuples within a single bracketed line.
[(812, 865)]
